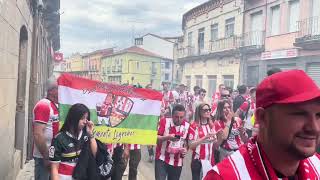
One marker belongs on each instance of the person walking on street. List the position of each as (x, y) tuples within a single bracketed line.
[(65, 149), (196, 93), (288, 114), (247, 110), (120, 158), (45, 127), (167, 100), (171, 144), (216, 97), (134, 160), (230, 131), (241, 98), (201, 139)]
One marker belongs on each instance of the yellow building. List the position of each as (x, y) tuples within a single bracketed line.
[(92, 63), (75, 65), (133, 65)]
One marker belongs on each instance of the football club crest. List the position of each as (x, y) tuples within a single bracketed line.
[(113, 110)]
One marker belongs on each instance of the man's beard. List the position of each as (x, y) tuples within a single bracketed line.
[(292, 149), (289, 147)]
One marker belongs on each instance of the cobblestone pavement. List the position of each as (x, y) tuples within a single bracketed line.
[(27, 173)]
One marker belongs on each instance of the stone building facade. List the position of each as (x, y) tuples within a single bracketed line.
[(207, 52), (28, 36)]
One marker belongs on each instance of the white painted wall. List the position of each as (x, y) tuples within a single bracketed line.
[(158, 46)]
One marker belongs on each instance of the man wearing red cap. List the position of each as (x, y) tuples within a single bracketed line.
[(288, 113)]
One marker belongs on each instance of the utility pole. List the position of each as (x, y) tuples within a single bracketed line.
[(133, 28)]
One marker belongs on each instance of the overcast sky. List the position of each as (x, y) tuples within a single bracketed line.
[(87, 25)]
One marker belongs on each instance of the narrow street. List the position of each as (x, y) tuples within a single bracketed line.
[(147, 169)]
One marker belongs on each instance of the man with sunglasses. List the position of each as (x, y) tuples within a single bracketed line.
[(288, 114), (225, 94), (171, 144)]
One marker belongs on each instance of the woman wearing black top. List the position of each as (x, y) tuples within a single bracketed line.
[(66, 146)]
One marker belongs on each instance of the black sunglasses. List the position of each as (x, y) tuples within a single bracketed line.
[(225, 95), (205, 110)]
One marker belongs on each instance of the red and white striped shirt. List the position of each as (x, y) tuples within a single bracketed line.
[(167, 98), (251, 162), (249, 112), (134, 146), (234, 141), (166, 127), (204, 151), (215, 98), (46, 112)]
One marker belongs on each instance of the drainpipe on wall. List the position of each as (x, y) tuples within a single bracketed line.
[(242, 69)]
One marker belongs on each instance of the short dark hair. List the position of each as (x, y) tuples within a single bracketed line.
[(74, 115), (178, 107), (202, 90), (242, 89), (195, 88), (221, 85), (229, 89), (273, 71)]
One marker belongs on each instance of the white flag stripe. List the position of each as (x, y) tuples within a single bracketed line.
[(72, 96)]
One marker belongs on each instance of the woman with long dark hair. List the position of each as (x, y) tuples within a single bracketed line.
[(230, 131), (66, 146), (201, 139)]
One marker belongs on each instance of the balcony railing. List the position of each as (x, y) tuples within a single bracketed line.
[(253, 38), (225, 44), (186, 51), (309, 27)]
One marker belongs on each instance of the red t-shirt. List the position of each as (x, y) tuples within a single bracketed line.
[(46, 112)]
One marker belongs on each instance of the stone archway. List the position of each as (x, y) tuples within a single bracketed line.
[(20, 119)]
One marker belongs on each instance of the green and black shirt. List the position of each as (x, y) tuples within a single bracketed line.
[(65, 150)]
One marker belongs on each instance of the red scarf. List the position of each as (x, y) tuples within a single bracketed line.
[(251, 161)]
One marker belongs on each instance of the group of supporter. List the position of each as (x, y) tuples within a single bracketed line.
[(221, 132), (211, 128)]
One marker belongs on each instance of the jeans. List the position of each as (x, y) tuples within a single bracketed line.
[(164, 170), (196, 168), (119, 164), (40, 171), (135, 157)]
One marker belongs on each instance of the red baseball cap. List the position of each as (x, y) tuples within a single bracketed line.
[(287, 87)]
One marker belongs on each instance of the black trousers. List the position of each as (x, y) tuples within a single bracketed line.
[(164, 170), (135, 157), (119, 164), (196, 168)]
